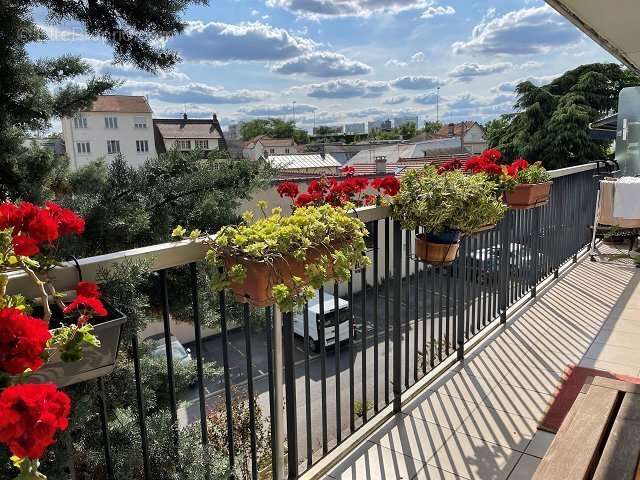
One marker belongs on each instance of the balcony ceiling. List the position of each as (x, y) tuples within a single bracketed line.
[(614, 25)]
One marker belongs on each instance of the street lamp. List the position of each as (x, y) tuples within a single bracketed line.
[(294, 112), (437, 103)]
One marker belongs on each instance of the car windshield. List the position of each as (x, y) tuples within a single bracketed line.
[(329, 318), (178, 351)]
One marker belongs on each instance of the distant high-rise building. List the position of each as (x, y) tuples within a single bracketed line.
[(377, 125), (354, 128)]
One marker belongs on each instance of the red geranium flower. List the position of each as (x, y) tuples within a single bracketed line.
[(388, 185), (22, 341), (492, 155), (87, 306), (88, 289), (68, 222), (24, 245), (10, 215), (288, 189), (303, 199), (492, 169), (475, 164), (42, 227), (520, 164), (31, 416), (453, 164)]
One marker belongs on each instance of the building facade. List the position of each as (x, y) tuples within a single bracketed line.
[(263, 146), (186, 134), (355, 128), (115, 124)]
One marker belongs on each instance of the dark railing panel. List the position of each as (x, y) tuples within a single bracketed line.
[(405, 318)]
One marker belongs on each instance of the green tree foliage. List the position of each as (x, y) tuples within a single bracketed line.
[(27, 102), (407, 130), (432, 127), (274, 128), (551, 122)]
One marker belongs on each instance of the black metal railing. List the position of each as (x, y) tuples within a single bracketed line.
[(405, 318)]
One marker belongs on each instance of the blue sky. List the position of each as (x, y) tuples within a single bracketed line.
[(348, 60)]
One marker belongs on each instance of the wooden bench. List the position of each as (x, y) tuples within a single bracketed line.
[(599, 438)]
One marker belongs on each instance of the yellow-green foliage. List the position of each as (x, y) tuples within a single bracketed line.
[(330, 230), (450, 201)]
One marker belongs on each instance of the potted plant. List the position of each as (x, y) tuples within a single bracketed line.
[(38, 344), (522, 185), (527, 186), (284, 259), (447, 205)]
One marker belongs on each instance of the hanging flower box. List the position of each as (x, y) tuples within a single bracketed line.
[(95, 362), (528, 195), (447, 203)]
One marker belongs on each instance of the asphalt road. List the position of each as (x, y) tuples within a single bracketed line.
[(364, 366)]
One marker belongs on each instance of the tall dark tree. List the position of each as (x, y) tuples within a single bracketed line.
[(26, 101), (551, 122)]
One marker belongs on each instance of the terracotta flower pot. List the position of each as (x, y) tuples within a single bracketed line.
[(435, 253), (528, 195), (96, 361)]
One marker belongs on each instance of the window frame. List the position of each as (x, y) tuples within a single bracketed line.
[(83, 148), (111, 123), (140, 144), (140, 125), (113, 143), (80, 122)]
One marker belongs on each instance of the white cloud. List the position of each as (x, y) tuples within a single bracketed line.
[(469, 101), (193, 92), (276, 110), (316, 9), (393, 63), (344, 89), (125, 70), (531, 64), (436, 11), (526, 31), (221, 42), (322, 64), (467, 71), (417, 82), (417, 57), (396, 100), (427, 99), (510, 86)]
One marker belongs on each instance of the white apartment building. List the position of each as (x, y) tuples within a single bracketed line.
[(115, 124)]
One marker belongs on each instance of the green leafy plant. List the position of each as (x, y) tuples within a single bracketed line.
[(326, 239), (447, 201)]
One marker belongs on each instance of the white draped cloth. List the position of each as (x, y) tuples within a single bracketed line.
[(626, 200)]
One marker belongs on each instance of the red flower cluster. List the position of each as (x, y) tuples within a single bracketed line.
[(33, 226), (453, 164), (387, 185), (22, 341), (485, 163), (516, 166), (87, 301), (31, 416), (288, 189), (349, 190)]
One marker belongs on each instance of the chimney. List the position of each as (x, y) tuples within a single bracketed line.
[(381, 164), (184, 116), (452, 129), (215, 118)]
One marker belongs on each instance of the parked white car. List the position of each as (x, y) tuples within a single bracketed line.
[(346, 321)]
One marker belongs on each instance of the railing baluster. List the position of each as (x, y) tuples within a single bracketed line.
[(440, 312), (268, 317), (503, 268), (376, 325), (397, 317), (387, 279), (352, 399), (307, 384), (407, 311), (461, 328), (195, 307), (432, 316), (447, 269), (424, 319), (173, 404), (227, 378), (250, 393), (290, 389), (338, 374), (363, 340), (416, 328), (142, 415), (323, 371), (104, 421)]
